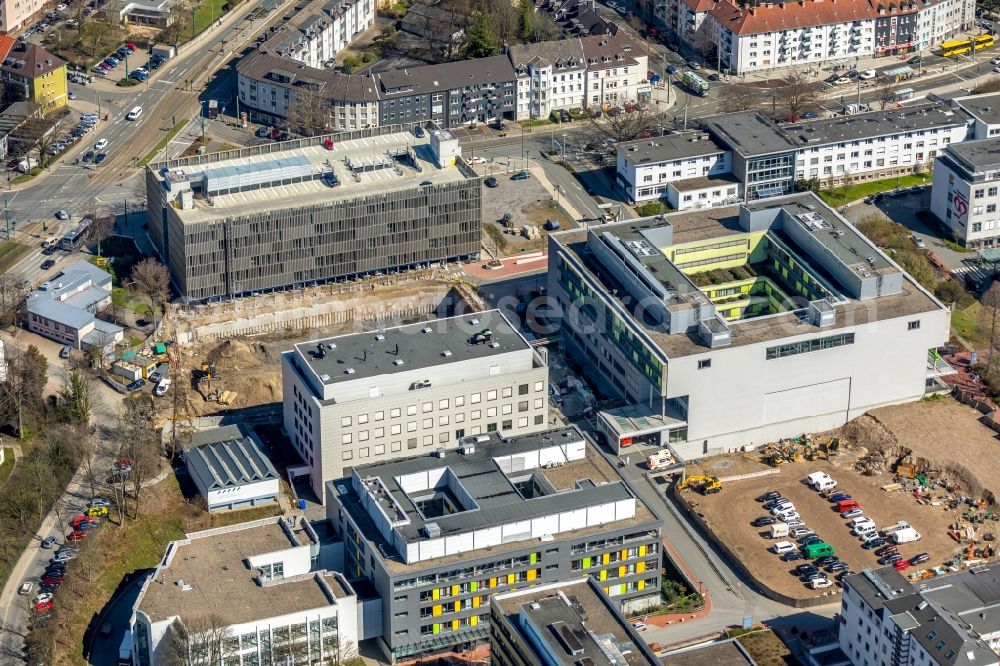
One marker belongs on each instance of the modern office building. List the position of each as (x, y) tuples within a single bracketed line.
[(572, 622), (773, 35), (965, 196), (262, 586), (985, 113), (312, 210), (366, 397), (763, 155), (438, 534), (737, 326), (64, 308), (320, 30), (951, 620)]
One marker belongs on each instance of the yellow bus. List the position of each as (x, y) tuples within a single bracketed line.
[(963, 46)]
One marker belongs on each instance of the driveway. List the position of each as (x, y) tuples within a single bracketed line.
[(103, 650)]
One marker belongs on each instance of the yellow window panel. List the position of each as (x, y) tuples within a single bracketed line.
[(606, 558), (642, 551), (454, 590), (458, 606), (493, 582), (435, 594), (624, 554), (474, 620), (642, 585), (604, 574), (437, 610), (621, 572), (454, 625), (475, 602), (511, 578), (640, 567), (532, 573)]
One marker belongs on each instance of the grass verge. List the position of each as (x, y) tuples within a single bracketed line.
[(207, 12), (26, 177), (843, 195), (966, 324), (171, 133), (10, 253)]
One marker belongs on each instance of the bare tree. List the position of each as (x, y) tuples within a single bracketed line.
[(204, 640), (309, 114), (102, 222), (887, 92), (796, 94), (152, 280), (339, 650), (13, 290), (138, 442), (991, 301), (740, 98), (21, 391), (623, 125)]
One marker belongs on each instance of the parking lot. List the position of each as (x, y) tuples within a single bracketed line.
[(729, 514)]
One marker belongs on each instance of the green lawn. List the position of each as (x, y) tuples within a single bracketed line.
[(26, 177), (206, 12), (120, 298), (966, 323), (10, 252), (171, 133), (8, 464), (843, 195)]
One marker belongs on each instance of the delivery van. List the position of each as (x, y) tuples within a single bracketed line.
[(815, 550), (779, 530)]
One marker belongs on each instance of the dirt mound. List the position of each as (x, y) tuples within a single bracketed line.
[(237, 355), (868, 432)]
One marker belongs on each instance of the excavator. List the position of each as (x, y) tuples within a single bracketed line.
[(706, 485)]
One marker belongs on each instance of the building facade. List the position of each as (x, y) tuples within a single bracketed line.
[(789, 34), (305, 212), (732, 327), (438, 535), (279, 602), (966, 192), (369, 397), (64, 309), (317, 33), (885, 620), (646, 167), (38, 75), (230, 469)]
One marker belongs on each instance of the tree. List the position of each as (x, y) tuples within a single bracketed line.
[(796, 94), (740, 98), (21, 394), (339, 650), (139, 442), (152, 280), (202, 640), (480, 42), (77, 405), (887, 93), (807, 185), (952, 291), (504, 21), (101, 225), (101, 30), (13, 290), (309, 114), (624, 125), (991, 301), (527, 20)]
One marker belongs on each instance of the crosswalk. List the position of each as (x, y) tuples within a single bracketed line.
[(972, 270)]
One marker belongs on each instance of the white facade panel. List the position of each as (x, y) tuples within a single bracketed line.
[(459, 543), (490, 536), (543, 526)]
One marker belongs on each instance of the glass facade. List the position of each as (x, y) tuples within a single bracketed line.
[(770, 176), (805, 346)]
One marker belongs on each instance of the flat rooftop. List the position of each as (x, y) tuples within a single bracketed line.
[(668, 148), (378, 164), (984, 107), (213, 564), (579, 608), (873, 124), (411, 347), (726, 653), (750, 133), (702, 182), (700, 225), (572, 485), (982, 155)]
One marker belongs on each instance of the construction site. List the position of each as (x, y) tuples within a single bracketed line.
[(890, 461)]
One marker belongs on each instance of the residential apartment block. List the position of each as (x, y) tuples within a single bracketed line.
[(985, 113), (307, 211), (268, 584), (37, 74), (16, 15), (966, 192), (748, 155), (771, 35), (885, 620), (64, 308), (591, 72), (734, 326), (568, 622), (317, 33), (438, 534), (367, 397)]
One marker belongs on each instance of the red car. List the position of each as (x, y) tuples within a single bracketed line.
[(79, 520), (328, 144), (53, 580), (76, 535), (43, 606), (902, 565), (846, 505)]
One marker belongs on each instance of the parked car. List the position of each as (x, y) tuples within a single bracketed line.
[(920, 558), (48, 542), (43, 606), (48, 263), (874, 543), (66, 350), (100, 158), (868, 74), (902, 565), (834, 567), (99, 501), (852, 513), (491, 182), (783, 547), (792, 556), (825, 560), (476, 160), (820, 583), (769, 496), (418, 131), (521, 175), (919, 242), (763, 521), (891, 558), (639, 626), (564, 116), (804, 569), (161, 387), (101, 144), (885, 550)]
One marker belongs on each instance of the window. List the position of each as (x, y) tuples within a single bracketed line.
[(539, 419), (362, 418), (346, 438), (507, 425), (428, 423), (395, 429), (913, 325), (346, 455), (460, 401), (428, 407), (379, 416), (443, 403), (507, 392), (539, 386), (809, 346), (411, 426), (491, 395), (704, 363), (395, 413), (522, 406), (411, 410), (345, 421), (476, 398)]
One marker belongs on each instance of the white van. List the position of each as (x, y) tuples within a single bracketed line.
[(820, 481), (905, 535), (134, 113), (779, 530)]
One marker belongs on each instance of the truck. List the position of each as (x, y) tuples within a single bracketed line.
[(905, 535), (125, 649), (779, 530), (27, 164), (660, 459), (213, 108)]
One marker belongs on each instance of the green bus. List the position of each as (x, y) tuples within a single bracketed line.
[(695, 83)]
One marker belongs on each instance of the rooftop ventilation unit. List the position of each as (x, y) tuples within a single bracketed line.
[(431, 530), (640, 248), (439, 453), (446, 353), (379, 336), (467, 449), (324, 378), (473, 321), (426, 329), (423, 383)]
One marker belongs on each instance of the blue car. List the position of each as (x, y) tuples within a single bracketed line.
[(100, 158)]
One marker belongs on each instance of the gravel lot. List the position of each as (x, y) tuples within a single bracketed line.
[(730, 512)]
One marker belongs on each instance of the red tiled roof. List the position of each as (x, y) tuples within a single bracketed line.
[(701, 5), (801, 14), (6, 44)]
